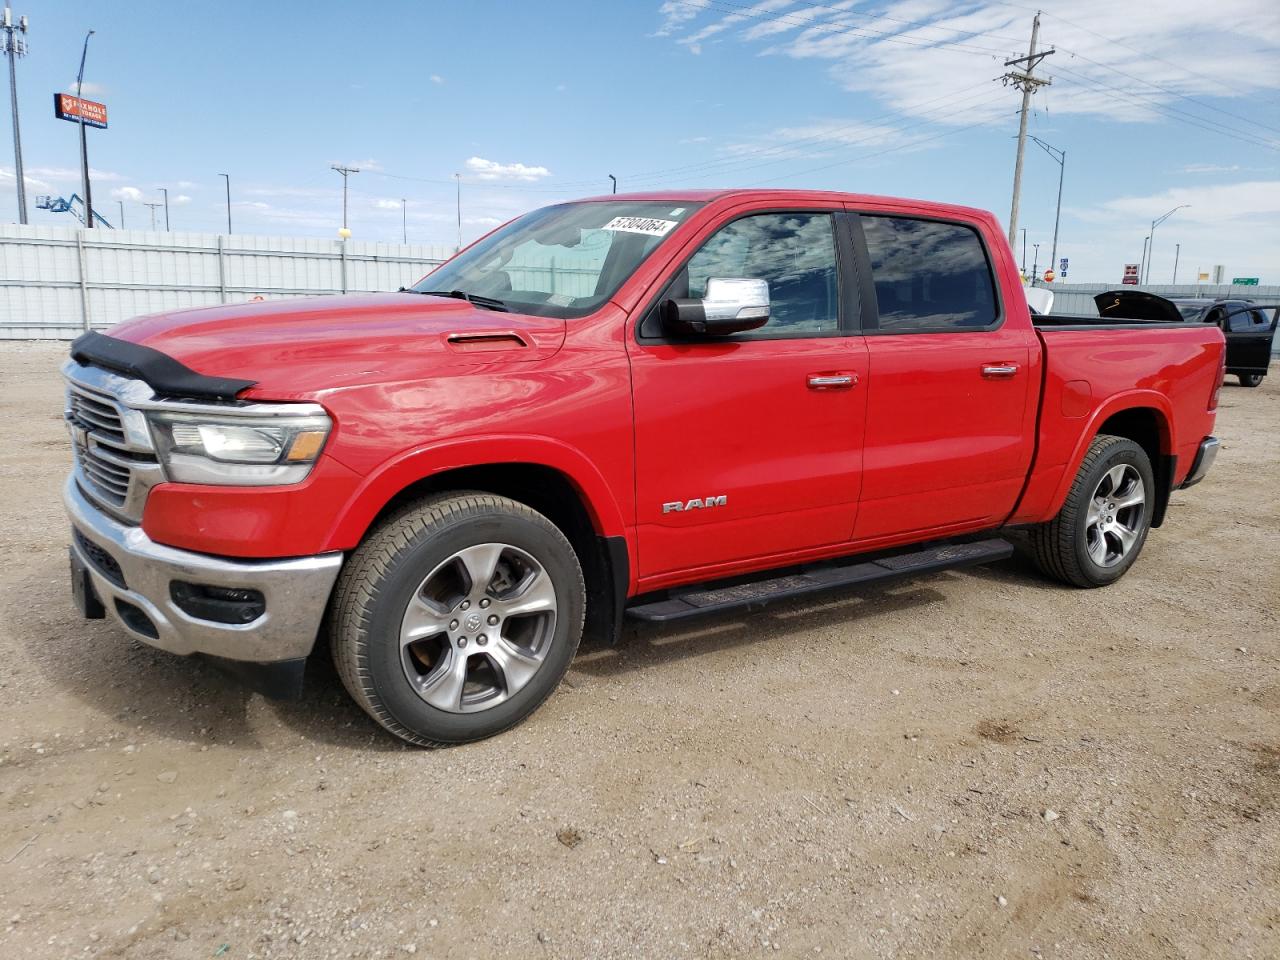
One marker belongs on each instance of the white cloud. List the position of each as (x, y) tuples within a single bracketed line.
[(1211, 168), (383, 203), (132, 194), (88, 89), (436, 78), (484, 169), (910, 53), (676, 13), (180, 200)]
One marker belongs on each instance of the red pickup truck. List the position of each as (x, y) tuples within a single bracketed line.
[(655, 406)]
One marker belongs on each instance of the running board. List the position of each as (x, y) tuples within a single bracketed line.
[(697, 601)]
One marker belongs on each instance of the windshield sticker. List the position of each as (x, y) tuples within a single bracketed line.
[(561, 299), (646, 225), (676, 212)]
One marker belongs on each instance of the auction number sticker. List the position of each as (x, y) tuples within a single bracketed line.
[(646, 225)]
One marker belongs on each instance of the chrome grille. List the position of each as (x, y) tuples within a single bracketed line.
[(95, 413), (115, 464)]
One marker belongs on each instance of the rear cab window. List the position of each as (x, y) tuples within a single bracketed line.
[(930, 276)]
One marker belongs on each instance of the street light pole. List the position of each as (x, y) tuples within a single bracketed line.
[(404, 220), (615, 182), (458, 177), (1061, 157), (1035, 264), (346, 172), (84, 143), (165, 191), (1142, 264), (1177, 252), (227, 177), (14, 45), (1155, 223), (120, 204), (1024, 250)]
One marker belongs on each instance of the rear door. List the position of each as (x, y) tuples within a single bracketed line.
[(951, 395), (750, 446)]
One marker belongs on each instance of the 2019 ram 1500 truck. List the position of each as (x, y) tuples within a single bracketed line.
[(657, 405)]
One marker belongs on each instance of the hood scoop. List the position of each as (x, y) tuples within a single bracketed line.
[(486, 341)]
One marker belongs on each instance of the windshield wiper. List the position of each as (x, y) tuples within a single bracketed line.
[(488, 303)]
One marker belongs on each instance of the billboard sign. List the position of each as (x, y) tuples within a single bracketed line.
[(69, 107), (1130, 275)]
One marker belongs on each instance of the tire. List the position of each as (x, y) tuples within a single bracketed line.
[(1250, 379), (418, 574), (1091, 543)]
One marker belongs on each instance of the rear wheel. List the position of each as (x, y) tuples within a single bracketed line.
[(457, 617), (1102, 526), (1250, 379)]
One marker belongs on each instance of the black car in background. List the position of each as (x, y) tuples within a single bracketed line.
[(1248, 329), (1246, 325)]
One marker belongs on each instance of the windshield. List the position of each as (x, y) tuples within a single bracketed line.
[(561, 261), (1190, 311)]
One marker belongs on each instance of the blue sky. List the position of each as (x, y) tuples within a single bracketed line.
[(537, 102)]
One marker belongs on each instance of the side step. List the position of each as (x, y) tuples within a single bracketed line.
[(692, 602)]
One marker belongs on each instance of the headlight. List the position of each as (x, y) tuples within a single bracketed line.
[(237, 450)]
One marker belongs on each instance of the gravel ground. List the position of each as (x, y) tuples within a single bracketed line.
[(976, 763)]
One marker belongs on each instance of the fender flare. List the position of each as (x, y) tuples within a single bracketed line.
[(1118, 403), (399, 473)]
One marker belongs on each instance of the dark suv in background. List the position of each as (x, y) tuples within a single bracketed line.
[(1248, 331)]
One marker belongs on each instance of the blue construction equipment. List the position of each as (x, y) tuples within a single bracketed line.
[(74, 206)]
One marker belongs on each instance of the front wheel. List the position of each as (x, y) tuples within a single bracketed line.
[(457, 617), (1250, 379), (1100, 530)]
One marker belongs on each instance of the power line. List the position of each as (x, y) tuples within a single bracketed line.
[(1174, 113)]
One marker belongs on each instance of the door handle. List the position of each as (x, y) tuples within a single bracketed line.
[(999, 371), (832, 381)]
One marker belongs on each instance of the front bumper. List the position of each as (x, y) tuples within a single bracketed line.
[(295, 592), (1205, 456)]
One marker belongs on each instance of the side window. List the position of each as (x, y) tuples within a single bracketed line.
[(794, 252), (929, 275)]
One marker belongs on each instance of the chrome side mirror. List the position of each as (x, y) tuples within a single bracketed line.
[(731, 305)]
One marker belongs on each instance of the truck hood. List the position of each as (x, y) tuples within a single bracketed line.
[(304, 346)]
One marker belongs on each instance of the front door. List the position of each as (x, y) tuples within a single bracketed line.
[(750, 446), (1249, 332), (951, 391)]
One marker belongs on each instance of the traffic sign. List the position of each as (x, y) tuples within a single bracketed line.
[(1244, 281), (1048, 276), (1130, 275), (1062, 268)]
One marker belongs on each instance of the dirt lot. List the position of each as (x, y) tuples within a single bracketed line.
[(977, 763)]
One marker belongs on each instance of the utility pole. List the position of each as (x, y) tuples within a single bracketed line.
[(14, 43), (1061, 157), (1028, 84), (615, 182), (1155, 223), (153, 207), (458, 177), (1177, 252), (227, 177), (165, 191), (84, 143), (346, 172), (404, 220)]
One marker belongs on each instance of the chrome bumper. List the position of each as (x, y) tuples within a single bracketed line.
[(296, 591), (1205, 456)]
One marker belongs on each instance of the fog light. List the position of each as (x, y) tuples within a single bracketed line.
[(218, 604)]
